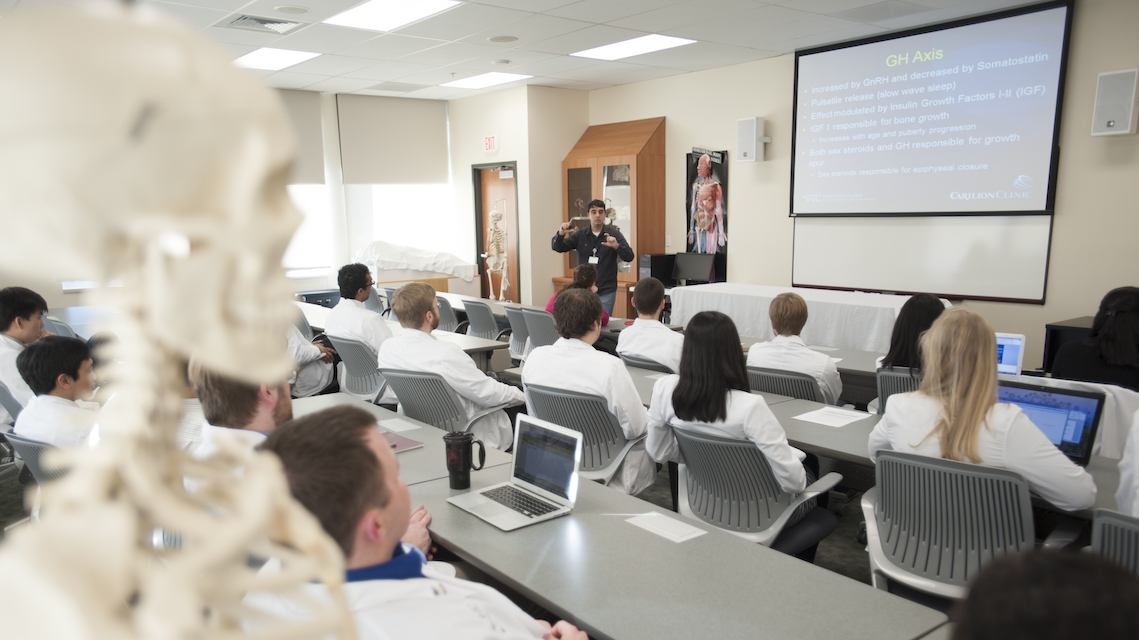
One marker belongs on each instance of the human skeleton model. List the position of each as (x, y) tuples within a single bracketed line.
[(496, 256), (137, 152)]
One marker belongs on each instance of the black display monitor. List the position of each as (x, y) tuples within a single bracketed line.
[(693, 268)]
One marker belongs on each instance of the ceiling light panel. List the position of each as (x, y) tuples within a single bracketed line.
[(388, 15), (634, 47), (485, 80), (271, 59)]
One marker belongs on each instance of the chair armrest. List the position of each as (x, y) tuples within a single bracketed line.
[(816, 488), (486, 412), (504, 334), (463, 327)]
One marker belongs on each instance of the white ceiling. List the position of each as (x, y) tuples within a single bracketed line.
[(454, 44)]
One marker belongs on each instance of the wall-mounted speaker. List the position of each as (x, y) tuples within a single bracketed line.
[(1115, 113)]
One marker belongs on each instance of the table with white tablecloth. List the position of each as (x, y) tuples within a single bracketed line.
[(843, 319)]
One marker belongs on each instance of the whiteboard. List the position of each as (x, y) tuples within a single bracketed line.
[(1003, 257)]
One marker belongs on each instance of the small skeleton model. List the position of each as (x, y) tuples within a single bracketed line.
[(496, 255), (137, 152)]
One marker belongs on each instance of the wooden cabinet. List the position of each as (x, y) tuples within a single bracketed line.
[(621, 163)]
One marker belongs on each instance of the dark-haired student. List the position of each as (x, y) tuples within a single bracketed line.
[(1110, 355), (584, 277), (341, 469), (648, 337), (58, 370), (711, 395), (571, 363), (914, 319), (21, 323), (351, 319)]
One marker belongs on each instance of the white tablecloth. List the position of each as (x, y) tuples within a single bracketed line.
[(844, 319)]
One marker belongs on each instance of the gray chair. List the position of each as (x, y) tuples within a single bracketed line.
[(786, 383), (519, 333), (893, 380), (9, 402), (481, 321), (1116, 537), (729, 484), (59, 327), (360, 374), (932, 524), (541, 327), (448, 321), (604, 446), (31, 451), (644, 363), (303, 326), (374, 303), (389, 298), (428, 398)]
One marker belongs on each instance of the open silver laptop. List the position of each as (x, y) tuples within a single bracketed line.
[(543, 478), (1010, 353)]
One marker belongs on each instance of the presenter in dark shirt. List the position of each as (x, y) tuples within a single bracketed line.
[(601, 245), (1111, 354)]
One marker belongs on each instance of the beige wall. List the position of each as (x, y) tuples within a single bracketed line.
[(1096, 223)]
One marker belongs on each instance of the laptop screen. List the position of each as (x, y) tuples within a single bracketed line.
[(1010, 353), (545, 458), (1070, 418)]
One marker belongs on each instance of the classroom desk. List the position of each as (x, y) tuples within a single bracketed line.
[(850, 320), (498, 308), (480, 349), (616, 580), (417, 465)]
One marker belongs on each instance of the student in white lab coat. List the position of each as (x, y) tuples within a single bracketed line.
[(955, 415), (787, 350), (648, 337), (237, 410), (21, 323), (58, 371), (351, 319), (415, 349), (573, 364)]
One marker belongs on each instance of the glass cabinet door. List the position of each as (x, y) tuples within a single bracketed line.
[(617, 192)]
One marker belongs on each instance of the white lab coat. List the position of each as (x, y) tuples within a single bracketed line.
[(653, 340), (1008, 441), (415, 350), (1127, 496), (207, 444), (312, 373), (790, 353), (748, 418), (57, 421), (10, 376), (573, 365), (351, 319)]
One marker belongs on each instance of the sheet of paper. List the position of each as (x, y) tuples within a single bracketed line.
[(398, 424), (666, 527), (816, 347), (832, 416), (836, 360)]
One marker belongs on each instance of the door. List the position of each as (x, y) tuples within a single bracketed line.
[(496, 208)]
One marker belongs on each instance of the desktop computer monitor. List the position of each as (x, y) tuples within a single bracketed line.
[(1010, 353), (693, 267)]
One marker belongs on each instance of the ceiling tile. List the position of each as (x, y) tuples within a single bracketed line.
[(604, 11), (387, 70), (193, 17), (823, 6), (221, 5), (538, 6), (672, 17), (293, 80), (326, 38), (587, 38), (700, 56), (318, 10), (456, 52), (530, 30), (340, 85), (244, 36), (535, 63), (331, 65), (462, 21), (390, 47)]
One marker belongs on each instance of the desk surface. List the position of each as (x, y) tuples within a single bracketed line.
[(316, 315), (498, 308), (619, 581), (417, 465)]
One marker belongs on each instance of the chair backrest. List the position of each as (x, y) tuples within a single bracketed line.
[(785, 383), (483, 325), (373, 302), (9, 402), (730, 483), (519, 332), (59, 327), (31, 451), (602, 437), (448, 321), (943, 520), (389, 295), (644, 363), (303, 326), (426, 397), (893, 380), (1116, 537), (360, 366), (541, 327)]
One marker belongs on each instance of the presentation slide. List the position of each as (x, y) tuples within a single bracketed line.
[(960, 120)]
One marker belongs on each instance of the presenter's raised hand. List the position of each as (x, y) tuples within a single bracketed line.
[(566, 229), (611, 242)]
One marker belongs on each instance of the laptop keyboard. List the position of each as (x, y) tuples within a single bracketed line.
[(519, 501)]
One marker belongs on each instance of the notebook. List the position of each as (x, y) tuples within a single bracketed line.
[(401, 443), (543, 478), (1010, 353), (1069, 417)]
